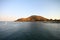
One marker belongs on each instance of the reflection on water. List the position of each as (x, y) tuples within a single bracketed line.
[(29, 31)]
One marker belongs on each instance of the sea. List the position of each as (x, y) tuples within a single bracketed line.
[(29, 31)]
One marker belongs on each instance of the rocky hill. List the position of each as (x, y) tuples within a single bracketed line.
[(32, 18)]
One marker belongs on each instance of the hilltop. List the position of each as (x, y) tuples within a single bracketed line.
[(32, 18)]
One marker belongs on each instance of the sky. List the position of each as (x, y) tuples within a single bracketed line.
[(11, 10)]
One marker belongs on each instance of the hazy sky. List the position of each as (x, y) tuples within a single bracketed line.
[(13, 9)]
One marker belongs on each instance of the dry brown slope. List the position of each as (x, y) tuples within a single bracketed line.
[(32, 19)]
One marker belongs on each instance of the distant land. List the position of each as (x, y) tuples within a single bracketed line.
[(35, 18)]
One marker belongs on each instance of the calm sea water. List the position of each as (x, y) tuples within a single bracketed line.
[(29, 31)]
